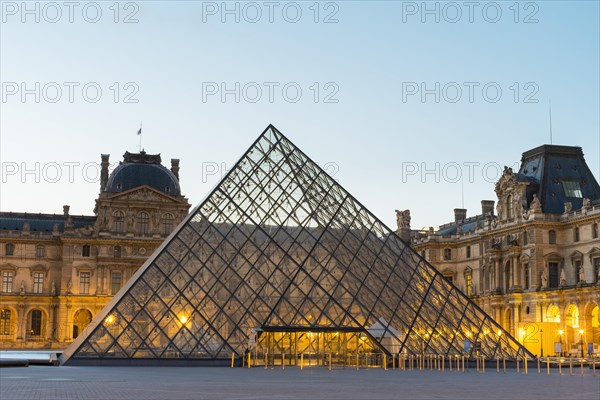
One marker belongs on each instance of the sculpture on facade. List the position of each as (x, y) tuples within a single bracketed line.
[(544, 280), (581, 275), (403, 219), (563, 277), (536, 205)]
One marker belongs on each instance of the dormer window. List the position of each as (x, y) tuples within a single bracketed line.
[(572, 189), (509, 207)]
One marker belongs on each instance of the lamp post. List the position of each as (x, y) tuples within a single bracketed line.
[(560, 333), (581, 331), (541, 343)]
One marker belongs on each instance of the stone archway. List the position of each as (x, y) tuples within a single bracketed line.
[(81, 319)]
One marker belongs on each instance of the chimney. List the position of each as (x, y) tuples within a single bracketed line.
[(487, 207), (175, 167), (66, 211), (460, 214), (104, 172)]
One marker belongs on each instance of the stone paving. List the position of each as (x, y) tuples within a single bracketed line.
[(181, 383)]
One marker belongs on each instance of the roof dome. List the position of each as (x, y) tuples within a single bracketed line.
[(139, 169)]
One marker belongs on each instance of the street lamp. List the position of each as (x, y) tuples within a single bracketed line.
[(541, 343), (581, 332), (560, 333)]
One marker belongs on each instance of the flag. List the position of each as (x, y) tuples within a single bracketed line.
[(140, 131)]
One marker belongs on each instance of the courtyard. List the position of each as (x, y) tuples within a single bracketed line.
[(174, 383)]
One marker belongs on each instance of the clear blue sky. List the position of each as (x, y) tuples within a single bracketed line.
[(379, 138)]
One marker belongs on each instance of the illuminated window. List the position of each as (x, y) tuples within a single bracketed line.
[(36, 323), (468, 283), (552, 237), (572, 189), (9, 249), (115, 282), (5, 327), (167, 223), (38, 282), (142, 221), (85, 250), (119, 221), (84, 282), (7, 281), (39, 250)]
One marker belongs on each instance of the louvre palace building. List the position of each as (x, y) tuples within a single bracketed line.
[(531, 258), (60, 270), (281, 260)]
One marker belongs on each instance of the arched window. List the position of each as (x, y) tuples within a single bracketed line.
[(85, 250), (167, 223), (118, 221), (5, 325), (509, 207), (142, 221), (9, 249), (81, 319), (552, 236), (576, 234)]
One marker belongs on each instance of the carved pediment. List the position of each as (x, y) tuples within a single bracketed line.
[(143, 193)]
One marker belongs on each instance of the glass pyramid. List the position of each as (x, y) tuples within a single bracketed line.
[(277, 252)]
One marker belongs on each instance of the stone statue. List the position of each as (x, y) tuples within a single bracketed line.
[(22, 288), (403, 219), (563, 277), (53, 288), (544, 280), (536, 205), (568, 207), (587, 203), (69, 286), (581, 275)]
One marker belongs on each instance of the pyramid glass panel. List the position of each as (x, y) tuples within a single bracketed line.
[(282, 261)]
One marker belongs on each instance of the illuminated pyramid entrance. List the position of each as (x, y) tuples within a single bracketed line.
[(279, 250)]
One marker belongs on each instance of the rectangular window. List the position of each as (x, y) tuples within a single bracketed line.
[(39, 250), (572, 189), (468, 251), (469, 281), (38, 282), (5, 328), (115, 282), (84, 282), (553, 275), (7, 281), (85, 250), (526, 273)]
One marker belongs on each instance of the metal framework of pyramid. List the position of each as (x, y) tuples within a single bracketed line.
[(279, 245)]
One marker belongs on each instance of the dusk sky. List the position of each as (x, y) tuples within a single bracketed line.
[(397, 100)]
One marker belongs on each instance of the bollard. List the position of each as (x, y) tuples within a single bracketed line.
[(539, 366), (282, 360), (394, 362), (301, 361), (412, 359), (266, 360), (443, 362), (477, 363), (232, 359), (463, 363), (582, 367), (450, 363), (518, 365), (570, 366), (497, 365), (483, 363), (357, 361), (548, 364), (384, 362), (330, 361), (559, 366), (249, 359), (525, 364), (593, 367)]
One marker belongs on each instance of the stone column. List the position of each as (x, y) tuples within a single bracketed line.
[(517, 278), (21, 321), (498, 274)]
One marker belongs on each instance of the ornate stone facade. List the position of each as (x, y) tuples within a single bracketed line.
[(536, 270), (59, 271)]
